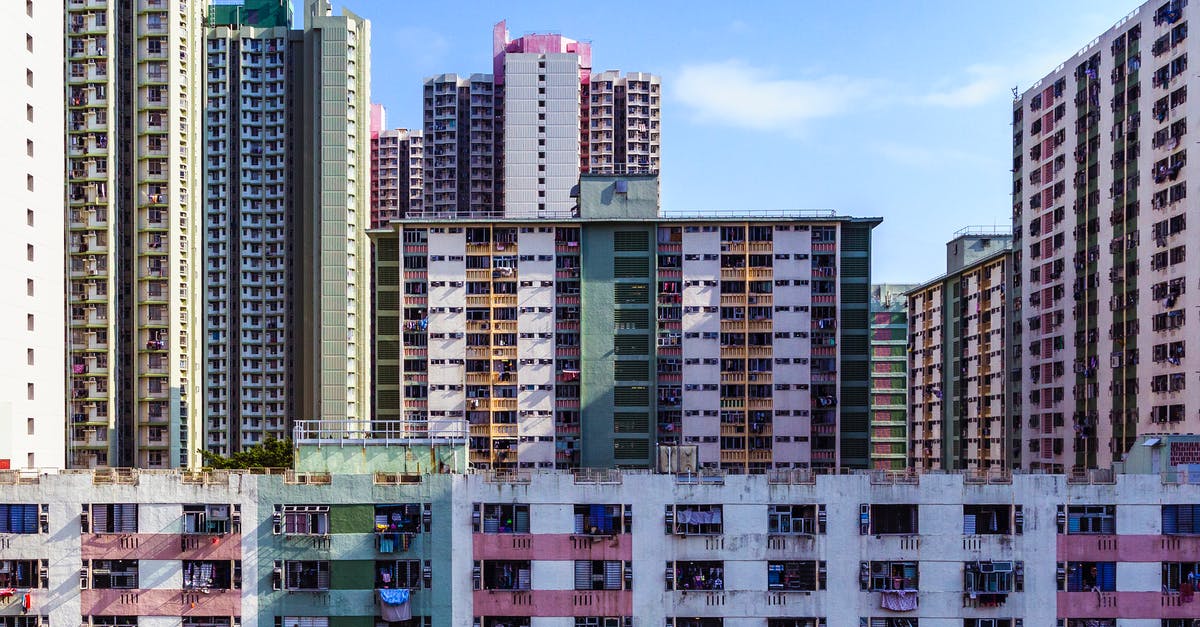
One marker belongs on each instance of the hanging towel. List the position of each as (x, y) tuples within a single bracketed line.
[(898, 600), (394, 605)]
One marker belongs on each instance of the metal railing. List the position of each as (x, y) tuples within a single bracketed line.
[(377, 432)]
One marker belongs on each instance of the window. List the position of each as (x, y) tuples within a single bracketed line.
[(505, 621), (18, 519), (695, 519), (603, 621), (796, 622), (26, 621), (503, 575), (993, 578), (602, 519), (1088, 576), (988, 519), (988, 622), (114, 518), (305, 520), (113, 621), (114, 574), (212, 575), (696, 575), (206, 519), (1181, 519), (398, 574), (1176, 573), (806, 576), (206, 621), (888, 519), (404, 518), (307, 575), (1090, 519), (601, 574), (889, 576), (795, 519), (21, 574), (696, 622), (503, 518)]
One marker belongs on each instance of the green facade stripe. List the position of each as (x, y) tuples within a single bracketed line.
[(352, 574), (358, 518), (351, 621)]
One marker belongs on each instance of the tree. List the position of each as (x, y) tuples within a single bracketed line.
[(271, 453)]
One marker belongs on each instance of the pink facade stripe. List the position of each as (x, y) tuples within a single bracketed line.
[(1152, 605), (552, 546), (547, 603), (1128, 548), (160, 603), (161, 546)]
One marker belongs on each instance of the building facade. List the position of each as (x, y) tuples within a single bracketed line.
[(249, 208), (34, 407), (513, 142), (889, 376), (595, 549), (133, 128), (740, 341), (957, 358), (397, 170), (332, 333), (1099, 204)]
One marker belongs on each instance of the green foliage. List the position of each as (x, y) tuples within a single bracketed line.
[(271, 453)]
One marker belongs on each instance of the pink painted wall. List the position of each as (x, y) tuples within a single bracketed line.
[(553, 603), (552, 546), (378, 120), (1129, 548), (1124, 605), (160, 546), (160, 603), (536, 44)]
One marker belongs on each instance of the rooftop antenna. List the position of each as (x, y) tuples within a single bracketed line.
[(1015, 93)]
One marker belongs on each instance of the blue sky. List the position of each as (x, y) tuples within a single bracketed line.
[(895, 109)]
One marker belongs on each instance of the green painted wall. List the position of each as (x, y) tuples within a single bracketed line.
[(603, 245), (360, 460), (600, 197), (351, 548), (352, 518), (855, 357)]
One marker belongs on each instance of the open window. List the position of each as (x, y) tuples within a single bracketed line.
[(205, 575), (988, 519), (305, 520), (795, 575), (602, 574), (888, 519), (1174, 574), (1089, 519), (696, 575), (695, 519), (21, 574), (114, 518), (886, 576), (1087, 576), (501, 518), (406, 518), (206, 519), (306, 575), (795, 519), (114, 574), (990, 582), (504, 575), (603, 520), (404, 574)]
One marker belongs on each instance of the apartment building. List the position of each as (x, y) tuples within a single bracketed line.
[(561, 549), (34, 409), (513, 142), (957, 350), (133, 80), (332, 331), (1110, 125), (249, 204), (558, 344), (397, 170), (889, 376)]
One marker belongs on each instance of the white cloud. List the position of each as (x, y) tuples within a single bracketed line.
[(738, 94), (917, 156), (986, 82)]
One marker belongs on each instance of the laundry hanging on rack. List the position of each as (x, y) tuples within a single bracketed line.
[(394, 605)]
